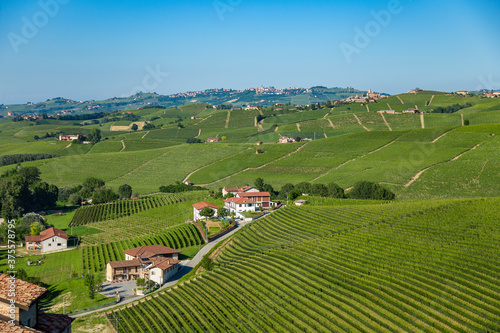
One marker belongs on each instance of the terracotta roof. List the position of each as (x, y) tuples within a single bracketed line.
[(124, 263), (52, 322), (254, 194), (239, 200), (164, 263), (26, 293), (203, 204), (150, 250), (51, 232), (5, 327), (238, 188), (36, 238)]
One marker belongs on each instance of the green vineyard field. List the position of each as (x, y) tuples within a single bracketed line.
[(402, 267)]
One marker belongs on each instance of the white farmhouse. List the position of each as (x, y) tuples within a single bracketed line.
[(49, 240), (197, 207), (237, 205)]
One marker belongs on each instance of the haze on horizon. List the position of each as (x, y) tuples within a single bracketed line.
[(97, 50)]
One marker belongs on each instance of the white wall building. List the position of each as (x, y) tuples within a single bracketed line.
[(49, 240), (197, 208)]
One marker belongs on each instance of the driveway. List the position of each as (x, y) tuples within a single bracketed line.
[(125, 289)]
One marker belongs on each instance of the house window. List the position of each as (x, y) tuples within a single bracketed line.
[(50, 244), (152, 273), (240, 205), (58, 244)]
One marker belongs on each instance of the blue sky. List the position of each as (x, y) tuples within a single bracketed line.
[(100, 49)]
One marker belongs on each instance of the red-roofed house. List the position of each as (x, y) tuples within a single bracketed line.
[(197, 207), (49, 240), (496, 93), (19, 313), (462, 92), (153, 262), (260, 198), (237, 205), (236, 189)]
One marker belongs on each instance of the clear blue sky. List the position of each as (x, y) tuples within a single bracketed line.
[(88, 49)]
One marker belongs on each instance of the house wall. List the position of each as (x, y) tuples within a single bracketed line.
[(156, 275), (128, 257), (51, 244), (29, 318), (197, 216), (109, 273), (33, 246)]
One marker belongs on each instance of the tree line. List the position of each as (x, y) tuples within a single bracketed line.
[(20, 158)]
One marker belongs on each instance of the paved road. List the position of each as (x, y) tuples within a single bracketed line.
[(187, 266)]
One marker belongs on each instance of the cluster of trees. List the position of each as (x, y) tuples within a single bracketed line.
[(87, 116), (30, 224), (46, 136), (194, 140), (360, 190), (19, 158), (21, 190), (180, 187), (95, 189), (451, 109), (94, 284)]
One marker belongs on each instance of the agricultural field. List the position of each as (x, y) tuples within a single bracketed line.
[(117, 209), (375, 268)]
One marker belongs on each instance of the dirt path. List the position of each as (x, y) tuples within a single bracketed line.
[(329, 112), (256, 168), (145, 135), (331, 123), (400, 100), (227, 119), (439, 137), (354, 159), (255, 122), (418, 174), (123, 145), (422, 120), (386, 123), (199, 133), (430, 102), (324, 133), (69, 145), (359, 122), (276, 129), (204, 119), (389, 106), (298, 127), (367, 108), (462, 117), (261, 113), (480, 172)]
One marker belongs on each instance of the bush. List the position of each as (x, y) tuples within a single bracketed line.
[(369, 190), (207, 263), (75, 199)]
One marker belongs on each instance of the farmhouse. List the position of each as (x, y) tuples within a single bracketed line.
[(286, 139), (153, 262), (195, 117), (23, 309), (260, 198), (51, 239), (71, 137), (496, 93), (213, 140), (237, 205), (411, 111), (462, 92), (197, 207), (236, 189)]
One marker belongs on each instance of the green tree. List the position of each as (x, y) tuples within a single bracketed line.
[(319, 190), (259, 184), (222, 212), (207, 263), (102, 195), (134, 127), (125, 191), (92, 183), (369, 190), (93, 284), (304, 187), (207, 212), (95, 135), (294, 194), (45, 195), (335, 191), (285, 190), (36, 228), (64, 193), (75, 199)]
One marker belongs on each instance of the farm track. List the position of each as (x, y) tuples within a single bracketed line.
[(418, 174), (261, 113), (367, 108), (331, 123), (400, 100), (439, 137), (199, 133), (462, 118), (430, 102), (359, 122), (256, 168), (389, 106), (123, 145), (386, 123), (298, 127), (194, 171), (422, 120), (227, 119), (354, 159), (69, 145), (480, 172), (145, 135)]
